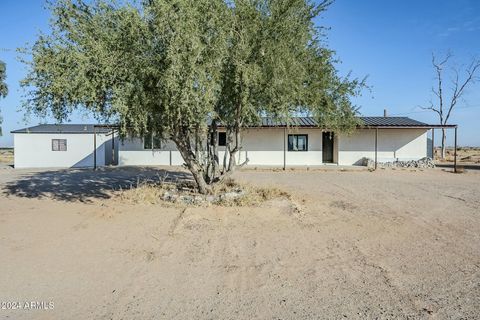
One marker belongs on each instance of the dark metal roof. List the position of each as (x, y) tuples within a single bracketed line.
[(295, 121), (64, 128), (266, 122), (391, 121), (367, 122)]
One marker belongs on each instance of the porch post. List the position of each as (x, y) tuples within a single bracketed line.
[(376, 146), (455, 153), (433, 143), (94, 148), (113, 147), (284, 148)]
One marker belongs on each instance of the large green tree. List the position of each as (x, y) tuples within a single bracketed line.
[(179, 69), (3, 86)]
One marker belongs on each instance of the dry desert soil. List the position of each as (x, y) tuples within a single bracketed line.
[(390, 244)]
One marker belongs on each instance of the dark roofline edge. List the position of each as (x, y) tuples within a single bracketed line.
[(101, 127), (433, 126), (104, 126), (423, 126)]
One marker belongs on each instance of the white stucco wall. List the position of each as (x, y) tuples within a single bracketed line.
[(34, 150), (393, 144), (131, 153), (264, 147)]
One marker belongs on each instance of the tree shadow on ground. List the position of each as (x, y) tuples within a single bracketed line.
[(87, 184)]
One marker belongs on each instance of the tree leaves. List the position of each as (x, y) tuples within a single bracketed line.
[(169, 66), (3, 86), (3, 77)]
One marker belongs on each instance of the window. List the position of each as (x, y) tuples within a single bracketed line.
[(222, 139), (151, 141), (59, 144), (297, 142)]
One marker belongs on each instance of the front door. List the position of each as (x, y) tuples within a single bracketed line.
[(327, 139)]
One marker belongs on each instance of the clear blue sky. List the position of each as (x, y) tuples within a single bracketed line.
[(390, 41)]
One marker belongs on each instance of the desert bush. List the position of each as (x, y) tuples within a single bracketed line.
[(228, 193)]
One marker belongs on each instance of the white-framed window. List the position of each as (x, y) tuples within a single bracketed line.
[(59, 144), (297, 142)]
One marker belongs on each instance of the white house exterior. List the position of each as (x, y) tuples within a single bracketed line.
[(271, 144), (398, 138)]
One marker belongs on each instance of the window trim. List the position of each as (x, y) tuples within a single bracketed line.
[(59, 144), (296, 136)]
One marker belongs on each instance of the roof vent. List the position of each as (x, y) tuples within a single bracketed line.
[(84, 128), (385, 113)]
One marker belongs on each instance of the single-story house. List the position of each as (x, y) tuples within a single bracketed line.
[(271, 143)]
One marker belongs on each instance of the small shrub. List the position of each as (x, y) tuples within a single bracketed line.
[(227, 193)]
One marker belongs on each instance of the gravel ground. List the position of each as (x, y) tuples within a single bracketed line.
[(391, 244)]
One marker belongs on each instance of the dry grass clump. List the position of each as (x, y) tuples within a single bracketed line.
[(227, 193), (248, 195), (6, 155), (144, 192), (464, 154)]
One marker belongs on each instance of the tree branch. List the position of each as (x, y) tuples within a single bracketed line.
[(460, 89), (432, 108), (439, 68)]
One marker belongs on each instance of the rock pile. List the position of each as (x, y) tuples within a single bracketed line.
[(422, 163)]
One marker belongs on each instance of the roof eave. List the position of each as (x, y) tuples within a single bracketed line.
[(423, 126)]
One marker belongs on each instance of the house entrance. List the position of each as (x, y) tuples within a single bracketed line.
[(327, 147)]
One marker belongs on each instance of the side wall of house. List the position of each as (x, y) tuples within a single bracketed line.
[(392, 144), (34, 150)]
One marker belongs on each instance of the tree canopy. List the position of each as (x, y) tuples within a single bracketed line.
[(3, 78), (3, 86), (180, 68)]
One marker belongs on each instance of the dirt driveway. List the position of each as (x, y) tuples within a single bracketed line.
[(385, 244)]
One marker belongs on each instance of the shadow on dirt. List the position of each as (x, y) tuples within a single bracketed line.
[(87, 184)]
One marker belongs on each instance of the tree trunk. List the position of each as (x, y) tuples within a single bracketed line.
[(232, 161), (184, 146), (202, 185), (214, 146), (225, 154), (444, 140)]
